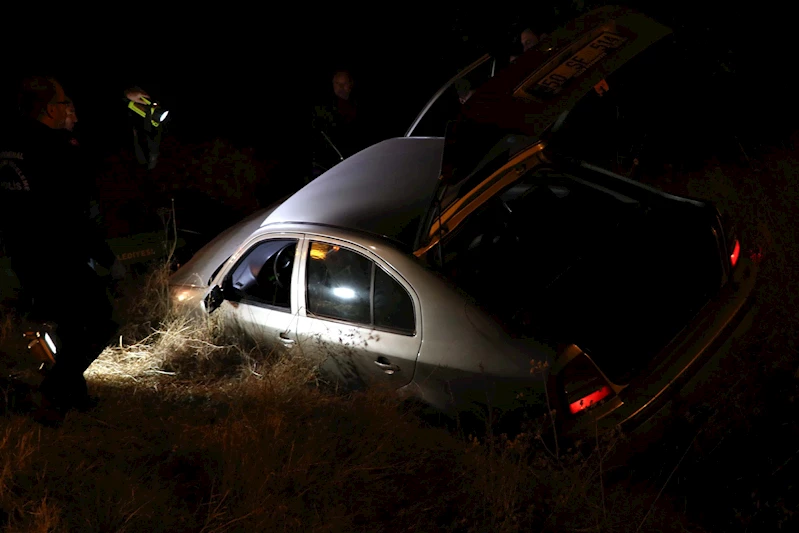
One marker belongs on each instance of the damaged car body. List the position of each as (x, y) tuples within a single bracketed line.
[(492, 267)]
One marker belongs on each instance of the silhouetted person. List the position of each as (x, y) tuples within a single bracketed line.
[(529, 39), (343, 84), (50, 240), (146, 136), (340, 118), (87, 180)]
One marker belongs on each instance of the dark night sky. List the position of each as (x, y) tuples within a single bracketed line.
[(236, 74), (251, 74)]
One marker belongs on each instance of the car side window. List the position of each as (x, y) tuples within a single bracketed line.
[(345, 285), (339, 283), (393, 305), (263, 275)]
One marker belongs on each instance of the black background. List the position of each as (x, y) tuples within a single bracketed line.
[(250, 72)]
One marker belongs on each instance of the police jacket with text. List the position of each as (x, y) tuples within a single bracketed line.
[(44, 200)]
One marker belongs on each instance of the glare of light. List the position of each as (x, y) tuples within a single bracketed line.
[(319, 251), (164, 114), (50, 343), (183, 295), (735, 253), (344, 293)]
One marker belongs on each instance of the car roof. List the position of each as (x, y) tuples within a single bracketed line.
[(384, 190)]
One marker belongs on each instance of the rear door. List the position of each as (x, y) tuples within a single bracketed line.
[(357, 316)]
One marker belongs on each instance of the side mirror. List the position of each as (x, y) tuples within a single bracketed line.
[(214, 299)]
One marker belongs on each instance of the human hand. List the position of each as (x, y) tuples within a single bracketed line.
[(137, 95)]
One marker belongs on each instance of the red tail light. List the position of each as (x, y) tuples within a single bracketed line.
[(582, 386), (590, 400), (736, 252)]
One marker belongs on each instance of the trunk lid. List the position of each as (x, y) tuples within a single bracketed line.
[(517, 109)]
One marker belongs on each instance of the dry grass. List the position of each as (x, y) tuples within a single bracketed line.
[(195, 432), (198, 431), (747, 429)]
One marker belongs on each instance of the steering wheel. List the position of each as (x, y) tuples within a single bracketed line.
[(275, 266)]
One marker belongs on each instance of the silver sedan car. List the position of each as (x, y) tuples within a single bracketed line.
[(329, 274), (489, 268), (571, 289)]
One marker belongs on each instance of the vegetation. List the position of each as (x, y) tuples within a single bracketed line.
[(196, 431)]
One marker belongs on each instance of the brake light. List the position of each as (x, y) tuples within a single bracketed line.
[(589, 401), (582, 385), (736, 252)]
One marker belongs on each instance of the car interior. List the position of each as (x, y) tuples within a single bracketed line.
[(560, 260), (536, 230), (264, 274)]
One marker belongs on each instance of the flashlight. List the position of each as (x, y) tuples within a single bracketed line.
[(152, 110), (41, 346)]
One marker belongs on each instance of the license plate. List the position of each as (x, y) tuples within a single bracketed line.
[(553, 82)]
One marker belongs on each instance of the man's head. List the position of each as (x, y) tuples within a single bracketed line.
[(529, 39), (42, 98), (343, 84)]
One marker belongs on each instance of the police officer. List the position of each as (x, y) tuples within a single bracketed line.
[(50, 239)]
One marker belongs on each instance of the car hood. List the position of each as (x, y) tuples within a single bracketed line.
[(383, 190), (199, 269)]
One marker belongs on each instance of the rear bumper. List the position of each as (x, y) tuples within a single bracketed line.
[(683, 366)]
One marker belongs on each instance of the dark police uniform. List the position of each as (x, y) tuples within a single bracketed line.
[(50, 239)]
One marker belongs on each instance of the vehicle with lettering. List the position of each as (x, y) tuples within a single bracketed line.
[(628, 86), (137, 252), (486, 269)]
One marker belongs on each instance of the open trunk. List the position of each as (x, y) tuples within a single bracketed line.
[(624, 299), (564, 260)]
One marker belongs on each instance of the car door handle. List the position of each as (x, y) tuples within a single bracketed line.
[(285, 339), (387, 367)]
